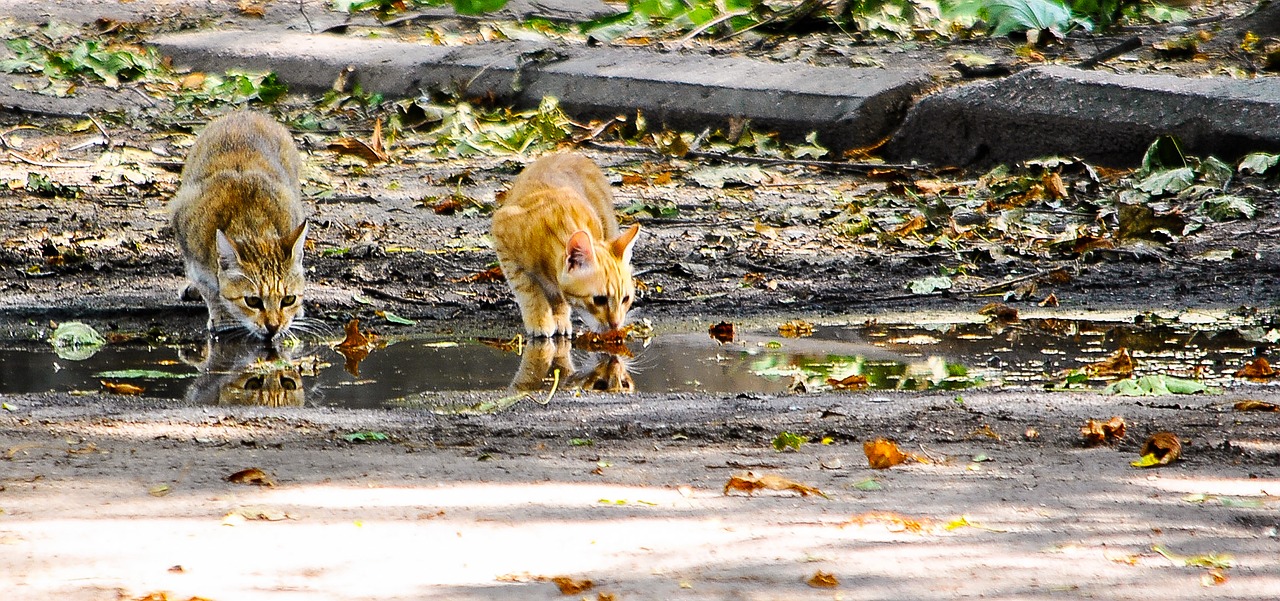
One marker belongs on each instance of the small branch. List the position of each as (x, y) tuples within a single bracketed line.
[(380, 294), (1126, 46), (708, 25), (837, 166), (30, 161)]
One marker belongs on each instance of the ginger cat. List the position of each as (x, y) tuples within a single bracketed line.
[(559, 246), (238, 218)]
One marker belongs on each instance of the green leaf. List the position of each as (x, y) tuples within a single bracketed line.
[(787, 440), (8, 407), (1147, 460), (1155, 385), (393, 318), (929, 285), (1164, 153), (1009, 16), (1214, 172), (441, 344), (477, 7), (868, 485), (1258, 163), (580, 442), (1228, 208), (75, 341), (811, 148), (368, 436), (719, 176), (143, 373), (1169, 181)]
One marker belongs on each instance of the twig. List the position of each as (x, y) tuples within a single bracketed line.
[(828, 165), (376, 293), (1127, 45), (30, 161), (708, 25), (102, 130), (1007, 283), (302, 11)]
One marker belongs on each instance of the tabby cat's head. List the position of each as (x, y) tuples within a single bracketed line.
[(267, 386), (261, 280), (596, 278)]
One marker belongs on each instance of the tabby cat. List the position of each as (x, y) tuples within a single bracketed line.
[(238, 218), (236, 372), (542, 357), (559, 246)]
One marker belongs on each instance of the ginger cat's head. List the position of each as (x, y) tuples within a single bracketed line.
[(596, 278), (611, 373), (266, 386), (261, 280)]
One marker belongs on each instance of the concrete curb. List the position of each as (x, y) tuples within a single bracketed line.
[(848, 107), (1106, 118)]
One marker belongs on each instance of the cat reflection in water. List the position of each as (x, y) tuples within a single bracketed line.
[(607, 372), (243, 372)]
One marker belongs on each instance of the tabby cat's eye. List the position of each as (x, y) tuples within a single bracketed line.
[(288, 300), (626, 300), (254, 302), (288, 383), (254, 383), (600, 301)]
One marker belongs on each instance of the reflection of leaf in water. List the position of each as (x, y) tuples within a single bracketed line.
[(122, 388), (355, 346), (1156, 385), (1095, 432), (75, 341), (150, 374)]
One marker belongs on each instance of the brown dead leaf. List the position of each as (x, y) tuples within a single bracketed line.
[(1084, 244), (854, 382), (1214, 577), (192, 81), (822, 579), (796, 328), (1118, 365), (985, 432), (1164, 447), (1096, 432), (722, 332), (1053, 185), (999, 311), (250, 8), (911, 226), (122, 388), (1256, 406), (447, 206), (371, 152), (164, 596), (355, 347), (569, 586), (492, 274), (883, 454), (892, 521), (749, 483), (1050, 301), (1258, 369), (253, 476)]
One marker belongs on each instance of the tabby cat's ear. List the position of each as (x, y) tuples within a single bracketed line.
[(621, 246), (294, 242), (228, 254), (579, 252)]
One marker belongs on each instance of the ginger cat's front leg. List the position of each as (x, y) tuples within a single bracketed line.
[(540, 319)]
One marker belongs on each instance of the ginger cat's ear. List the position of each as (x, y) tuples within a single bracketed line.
[(294, 242), (621, 246), (228, 254), (579, 253)]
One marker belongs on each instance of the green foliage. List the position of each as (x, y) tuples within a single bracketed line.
[(41, 185), (357, 437), (76, 341), (88, 59), (236, 87), (1010, 16), (389, 7), (466, 130), (151, 374), (658, 17), (1155, 385), (787, 440)]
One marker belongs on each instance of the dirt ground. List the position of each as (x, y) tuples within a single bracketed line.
[(113, 497)]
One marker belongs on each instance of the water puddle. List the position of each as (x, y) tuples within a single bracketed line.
[(1030, 354)]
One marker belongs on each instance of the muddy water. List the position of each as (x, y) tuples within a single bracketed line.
[(1032, 354)]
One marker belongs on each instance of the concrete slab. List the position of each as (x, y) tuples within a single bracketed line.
[(87, 99), (1102, 117), (848, 107)]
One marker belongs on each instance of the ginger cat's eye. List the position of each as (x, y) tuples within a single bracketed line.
[(254, 302), (288, 300), (288, 383), (254, 383), (626, 300), (600, 301)]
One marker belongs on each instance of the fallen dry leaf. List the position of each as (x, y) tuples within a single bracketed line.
[(1256, 406), (606, 597), (122, 388), (1053, 185), (355, 346), (1096, 432), (492, 274), (240, 515), (1050, 301), (1118, 365), (722, 332), (822, 579), (892, 521), (911, 226), (883, 454), (249, 8), (1258, 369), (371, 152), (1162, 448), (796, 328), (164, 596), (854, 382), (1214, 577), (569, 586), (251, 475), (749, 483), (507, 346), (999, 311), (985, 432)]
